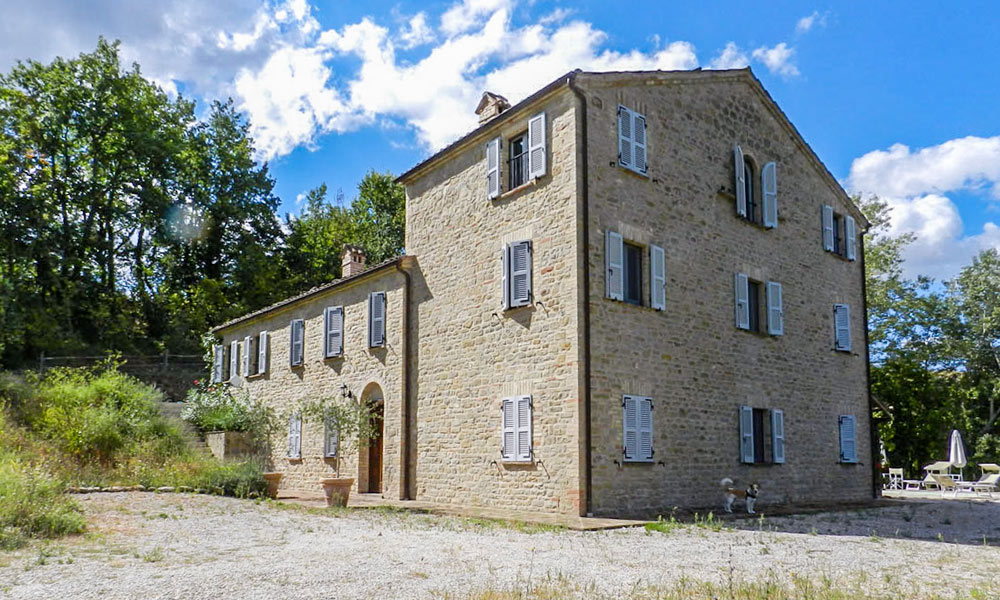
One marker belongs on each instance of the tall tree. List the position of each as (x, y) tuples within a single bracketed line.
[(315, 240), (379, 216)]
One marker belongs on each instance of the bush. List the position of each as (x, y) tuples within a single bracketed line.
[(215, 407)]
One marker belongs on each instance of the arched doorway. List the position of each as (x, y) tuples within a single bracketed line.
[(372, 451)]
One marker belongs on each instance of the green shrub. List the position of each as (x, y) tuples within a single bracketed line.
[(215, 407)]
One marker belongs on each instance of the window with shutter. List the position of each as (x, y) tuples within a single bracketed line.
[(657, 278), (296, 347), (842, 327), (493, 168), (769, 196), (520, 274), (742, 301), (262, 352), (828, 233), (625, 137), (850, 239), (505, 275), (639, 142), (778, 436), (234, 360), (848, 441), (536, 146), (331, 438), (632, 153), (523, 429), (614, 257), (739, 185), (508, 440), (218, 363), (376, 319), (247, 355), (630, 425), (645, 428), (746, 434), (333, 318), (295, 436), (775, 313)]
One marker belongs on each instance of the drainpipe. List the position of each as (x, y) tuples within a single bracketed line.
[(404, 426), (585, 213), (872, 433)]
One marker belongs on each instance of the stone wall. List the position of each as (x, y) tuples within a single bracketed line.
[(691, 359), (469, 353), (362, 369)]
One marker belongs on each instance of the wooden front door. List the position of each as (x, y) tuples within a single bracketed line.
[(375, 451)]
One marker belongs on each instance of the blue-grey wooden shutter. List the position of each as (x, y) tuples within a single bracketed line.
[(746, 434), (520, 274), (740, 181), (850, 237), (508, 439), (769, 185), (493, 168), (262, 353), (639, 142), (295, 436), (630, 426), (842, 327), (625, 158), (296, 347), (536, 146), (505, 275), (523, 429), (848, 443), (828, 232), (657, 278), (775, 312), (331, 438), (247, 355), (376, 319), (234, 360), (644, 424), (778, 436), (614, 251), (334, 338), (742, 301), (218, 362)]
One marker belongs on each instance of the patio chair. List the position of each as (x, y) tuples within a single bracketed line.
[(987, 484), (895, 479), (947, 484)]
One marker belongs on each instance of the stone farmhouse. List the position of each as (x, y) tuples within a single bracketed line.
[(615, 293)]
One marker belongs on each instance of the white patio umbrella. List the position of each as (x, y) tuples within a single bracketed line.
[(956, 452)]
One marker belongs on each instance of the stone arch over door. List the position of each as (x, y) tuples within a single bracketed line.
[(371, 453)]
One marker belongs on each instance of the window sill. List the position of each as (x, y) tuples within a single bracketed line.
[(255, 376), (517, 463), (632, 171), (640, 306), (297, 367), (334, 357), (637, 461), (517, 191), (842, 257)]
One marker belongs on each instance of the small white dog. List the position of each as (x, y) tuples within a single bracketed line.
[(731, 494)]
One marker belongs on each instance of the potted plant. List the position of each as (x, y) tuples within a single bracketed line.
[(353, 422)]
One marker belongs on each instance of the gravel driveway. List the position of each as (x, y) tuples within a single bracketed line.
[(149, 546)]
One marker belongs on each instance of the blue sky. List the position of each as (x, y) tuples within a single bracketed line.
[(897, 98)]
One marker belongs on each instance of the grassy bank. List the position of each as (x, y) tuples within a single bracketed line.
[(91, 427)]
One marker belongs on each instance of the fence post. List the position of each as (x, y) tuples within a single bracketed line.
[(41, 363), (166, 361)]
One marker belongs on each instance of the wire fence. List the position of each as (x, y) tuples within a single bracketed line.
[(173, 374)]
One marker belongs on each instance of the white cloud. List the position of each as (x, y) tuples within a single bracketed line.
[(731, 57), (416, 33), (467, 14), (778, 59), (807, 23), (915, 184)]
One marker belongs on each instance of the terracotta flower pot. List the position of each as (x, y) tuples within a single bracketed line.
[(273, 479), (337, 490)]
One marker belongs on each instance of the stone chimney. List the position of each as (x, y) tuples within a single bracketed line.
[(352, 262), (490, 106)]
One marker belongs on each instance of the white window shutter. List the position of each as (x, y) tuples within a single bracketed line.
[(523, 427), (639, 142), (769, 185), (331, 439), (778, 436), (505, 277), (536, 146), (848, 440), (630, 425), (625, 137), (742, 296), (645, 428), (850, 236), (657, 278), (234, 359), (508, 440), (493, 168), (247, 354), (295, 436), (740, 182), (262, 353), (297, 345), (334, 338), (746, 434), (520, 274), (376, 319), (775, 313), (842, 327), (828, 228), (614, 252), (218, 362)]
